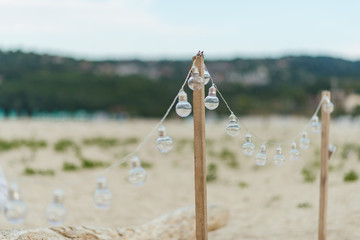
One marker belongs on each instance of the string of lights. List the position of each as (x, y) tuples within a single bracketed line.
[(314, 120), (15, 208), (146, 139)]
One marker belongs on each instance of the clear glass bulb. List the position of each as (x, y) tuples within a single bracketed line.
[(164, 143), (102, 194), (233, 128), (304, 141), (294, 153), (137, 175), (15, 209), (332, 150), (328, 105), (212, 101), (279, 158), (206, 76), (261, 157), (183, 107), (248, 147), (315, 124), (56, 211), (195, 82)]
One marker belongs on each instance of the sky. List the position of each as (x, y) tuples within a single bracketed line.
[(168, 29)]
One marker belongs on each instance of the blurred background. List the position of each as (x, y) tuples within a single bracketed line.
[(82, 83), (128, 58)]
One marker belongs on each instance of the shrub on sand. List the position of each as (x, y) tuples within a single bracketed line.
[(351, 176)]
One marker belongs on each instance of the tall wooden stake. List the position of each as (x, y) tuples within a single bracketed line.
[(325, 123), (200, 156)]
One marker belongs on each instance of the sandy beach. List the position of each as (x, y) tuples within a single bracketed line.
[(269, 202)]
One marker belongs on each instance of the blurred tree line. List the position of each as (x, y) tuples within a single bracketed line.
[(288, 85)]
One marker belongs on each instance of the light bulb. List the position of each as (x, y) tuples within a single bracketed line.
[(261, 157), (15, 209), (304, 141), (195, 82), (206, 76), (102, 194), (332, 150), (279, 158), (294, 153), (56, 211), (164, 143), (248, 147), (137, 175), (315, 124), (212, 101), (183, 107), (233, 128), (328, 106)]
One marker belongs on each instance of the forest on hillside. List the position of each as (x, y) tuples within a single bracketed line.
[(289, 85)]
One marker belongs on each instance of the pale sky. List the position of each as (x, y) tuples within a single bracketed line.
[(153, 29)]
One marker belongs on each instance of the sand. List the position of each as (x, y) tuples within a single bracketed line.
[(264, 201)]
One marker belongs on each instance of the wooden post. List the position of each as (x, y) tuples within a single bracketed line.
[(325, 123), (200, 155)]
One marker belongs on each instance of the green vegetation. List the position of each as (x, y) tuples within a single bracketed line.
[(91, 163), (104, 142), (351, 176), (7, 145), (212, 173), (229, 157), (304, 205), (243, 184), (34, 83), (308, 175), (43, 172), (101, 142), (225, 155), (33, 144), (64, 145), (146, 165), (130, 141), (69, 167)]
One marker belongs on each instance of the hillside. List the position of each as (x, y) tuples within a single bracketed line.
[(289, 85)]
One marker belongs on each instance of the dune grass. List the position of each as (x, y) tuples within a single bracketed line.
[(43, 172), (88, 163), (65, 145), (69, 167), (146, 164), (309, 175), (101, 142), (227, 156), (33, 144), (351, 176), (304, 205)]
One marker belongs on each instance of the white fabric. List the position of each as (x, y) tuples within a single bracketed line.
[(3, 188)]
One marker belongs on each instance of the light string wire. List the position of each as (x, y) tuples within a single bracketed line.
[(117, 163), (254, 134), (146, 139)]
